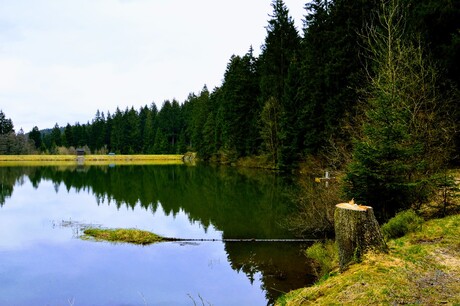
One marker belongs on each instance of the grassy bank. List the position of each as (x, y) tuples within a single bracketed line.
[(133, 236), (422, 268), (38, 160)]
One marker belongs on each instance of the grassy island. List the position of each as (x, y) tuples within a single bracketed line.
[(133, 236)]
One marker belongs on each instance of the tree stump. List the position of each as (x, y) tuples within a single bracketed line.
[(356, 231)]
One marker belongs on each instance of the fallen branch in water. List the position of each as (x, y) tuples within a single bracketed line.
[(141, 237)]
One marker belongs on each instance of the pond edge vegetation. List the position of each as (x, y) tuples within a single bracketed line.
[(122, 159), (422, 267)]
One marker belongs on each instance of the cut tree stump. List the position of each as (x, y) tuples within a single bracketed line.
[(356, 231)]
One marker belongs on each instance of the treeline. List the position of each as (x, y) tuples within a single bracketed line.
[(12, 143), (305, 94), (131, 131)]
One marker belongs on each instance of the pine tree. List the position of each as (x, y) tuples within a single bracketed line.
[(437, 21), (407, 131), (108, 132), (150, 129), (281, 47), (292, 120), (36, 137), (169, 123), (199, 112), (6, 125), (69, 135), (332, 69), (161, 145), (132, 141), (143, 114), (238, 105), (56, 139), (209, 137), (116, 135), (97, 132), (270, 129)]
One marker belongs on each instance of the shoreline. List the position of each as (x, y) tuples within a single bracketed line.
[(424, 264), (59, 160)]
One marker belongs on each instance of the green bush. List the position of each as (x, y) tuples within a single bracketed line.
[(404, 222), (325, 254)]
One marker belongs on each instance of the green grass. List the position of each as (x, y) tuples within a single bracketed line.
[(58, 160), (325, 254), (133, 236), (403, 223), (422, 268)]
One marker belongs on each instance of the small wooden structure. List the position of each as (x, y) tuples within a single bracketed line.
[(356, 231), (80, 156), (80, 152)]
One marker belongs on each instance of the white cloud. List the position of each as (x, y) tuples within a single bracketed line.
[(62, 60)]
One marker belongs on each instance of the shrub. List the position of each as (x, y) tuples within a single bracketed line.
[(404, 222), (325, 254)]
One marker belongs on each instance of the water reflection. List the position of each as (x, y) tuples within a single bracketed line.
[(9, 176), (205, 202), (242, 206)]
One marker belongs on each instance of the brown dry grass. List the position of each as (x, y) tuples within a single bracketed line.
[(58, 160)]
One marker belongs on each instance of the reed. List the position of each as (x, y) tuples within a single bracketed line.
[(45, 160)]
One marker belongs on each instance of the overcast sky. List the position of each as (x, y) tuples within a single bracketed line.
[(62, 60)]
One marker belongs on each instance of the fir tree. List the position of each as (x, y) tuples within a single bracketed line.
[(6, 125), (407, 131), (281, 46), (36, 137)]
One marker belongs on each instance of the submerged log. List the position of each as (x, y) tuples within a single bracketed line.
[(356, 231)]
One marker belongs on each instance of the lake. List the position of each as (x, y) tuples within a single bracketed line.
[(43, 260)]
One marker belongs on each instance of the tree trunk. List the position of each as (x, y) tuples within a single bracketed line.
[(356, 231)]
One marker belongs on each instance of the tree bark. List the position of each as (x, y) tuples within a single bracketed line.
[(356, 231)]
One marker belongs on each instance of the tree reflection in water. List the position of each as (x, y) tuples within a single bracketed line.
[(240, 204)]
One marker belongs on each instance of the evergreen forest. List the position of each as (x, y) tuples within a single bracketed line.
[(369, 86)]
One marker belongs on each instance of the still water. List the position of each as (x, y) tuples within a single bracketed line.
[(43, 261)]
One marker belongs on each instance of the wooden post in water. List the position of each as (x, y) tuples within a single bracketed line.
[(356, 231)]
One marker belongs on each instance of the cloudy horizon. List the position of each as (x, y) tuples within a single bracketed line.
[(61, 61)]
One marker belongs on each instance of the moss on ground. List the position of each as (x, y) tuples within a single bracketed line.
[(422, 268)]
